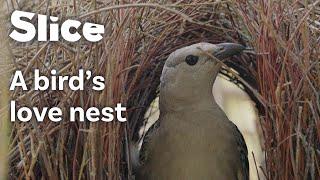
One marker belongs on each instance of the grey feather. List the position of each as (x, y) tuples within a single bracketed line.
[(193, 138)]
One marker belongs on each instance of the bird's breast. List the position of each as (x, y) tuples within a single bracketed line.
[(191, 149)]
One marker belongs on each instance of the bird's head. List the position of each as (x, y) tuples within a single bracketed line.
[(191, 71)]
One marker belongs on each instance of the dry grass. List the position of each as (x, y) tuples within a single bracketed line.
[(138, 38)]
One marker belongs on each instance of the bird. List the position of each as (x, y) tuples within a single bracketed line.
[(193, 138)]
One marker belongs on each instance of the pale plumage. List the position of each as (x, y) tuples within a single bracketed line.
[(193, 139)]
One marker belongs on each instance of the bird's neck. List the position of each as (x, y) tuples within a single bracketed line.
[(188, 99)]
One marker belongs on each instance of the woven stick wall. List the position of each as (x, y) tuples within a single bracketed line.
[(137, 40), (286, 37)]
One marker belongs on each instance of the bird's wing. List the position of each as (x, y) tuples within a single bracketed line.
[(146, 140), (243, 172)]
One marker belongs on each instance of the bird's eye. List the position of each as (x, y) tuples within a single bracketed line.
[(191, 60)]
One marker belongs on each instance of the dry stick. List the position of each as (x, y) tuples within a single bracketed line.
[(298, 150), (34, 155), (255, 164), (128, 150), (84, 161), (75, 160), (23, 157), (33, 60), (254, 91)]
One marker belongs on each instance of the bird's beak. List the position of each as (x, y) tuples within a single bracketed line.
[(226, 50)]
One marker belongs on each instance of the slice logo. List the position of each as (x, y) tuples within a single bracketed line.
[(26, 31)]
